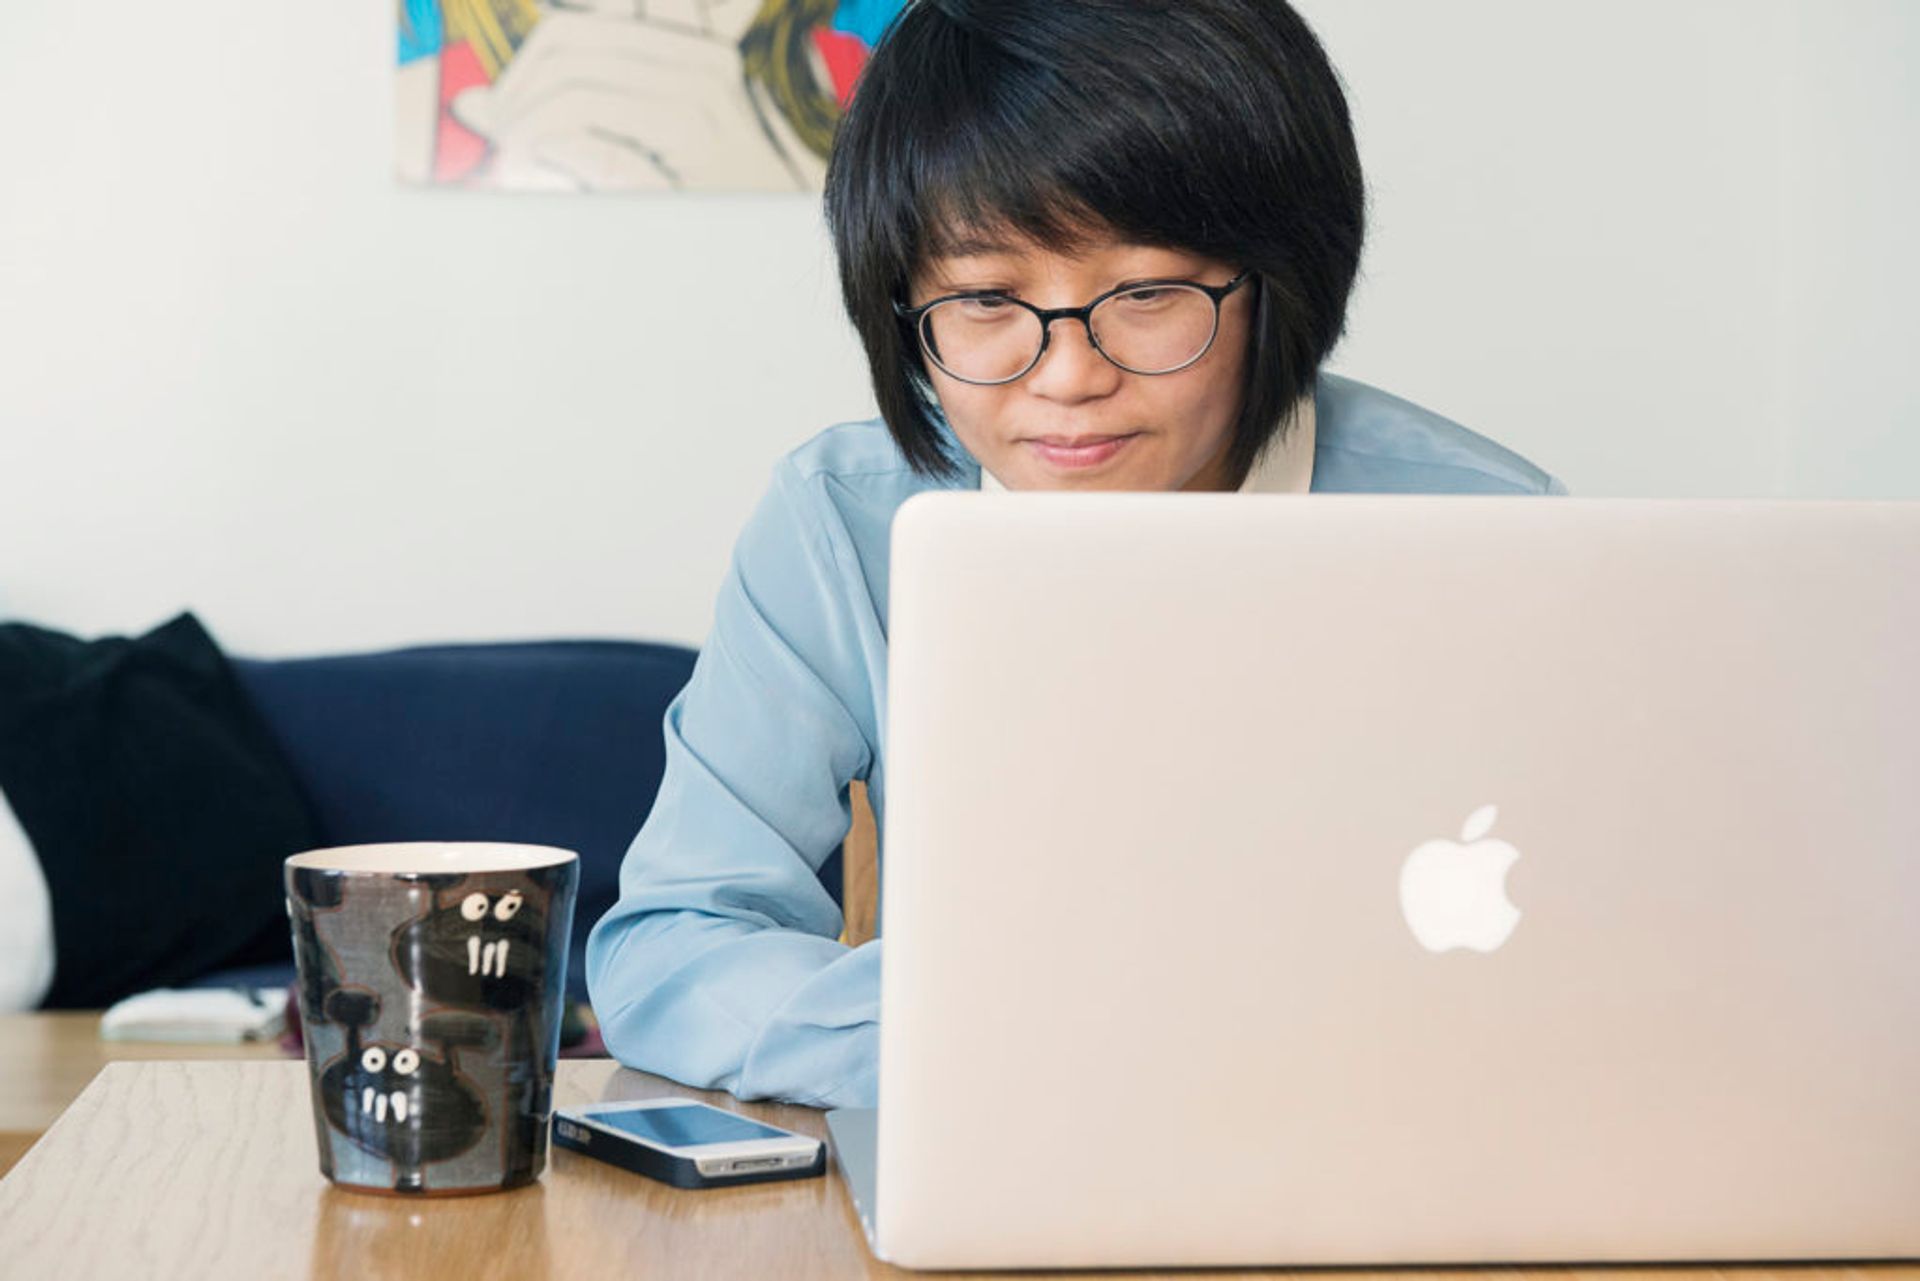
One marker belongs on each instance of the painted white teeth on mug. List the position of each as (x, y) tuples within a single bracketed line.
[(375, 1103), (490, 959)]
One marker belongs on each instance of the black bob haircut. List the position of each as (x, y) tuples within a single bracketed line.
[(1217, 127)]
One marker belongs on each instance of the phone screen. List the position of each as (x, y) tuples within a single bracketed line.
[(688, 1125)]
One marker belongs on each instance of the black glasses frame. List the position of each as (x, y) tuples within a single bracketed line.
[(917, 316)]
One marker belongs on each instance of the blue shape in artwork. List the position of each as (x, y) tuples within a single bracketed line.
[(867, 20), (422, 30)]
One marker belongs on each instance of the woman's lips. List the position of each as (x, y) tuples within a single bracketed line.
[(1091, 453)]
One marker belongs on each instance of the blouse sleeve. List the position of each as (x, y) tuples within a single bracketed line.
[(719, 966)]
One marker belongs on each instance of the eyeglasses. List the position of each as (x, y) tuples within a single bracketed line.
[(1151, 327)]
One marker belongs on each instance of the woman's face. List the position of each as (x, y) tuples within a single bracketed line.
[(1132, 431)]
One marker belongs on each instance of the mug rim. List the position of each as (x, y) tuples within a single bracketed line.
[(429, 858)]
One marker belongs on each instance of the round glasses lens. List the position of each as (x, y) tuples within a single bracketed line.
[(1155, 329), (982, 339)]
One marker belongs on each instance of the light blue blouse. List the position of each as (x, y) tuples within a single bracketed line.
[(719, 966)]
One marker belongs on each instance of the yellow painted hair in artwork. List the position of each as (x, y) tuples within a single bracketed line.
[(495, 28), (777, 54)]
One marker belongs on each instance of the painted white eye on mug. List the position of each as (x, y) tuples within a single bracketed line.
[(374, 1059), (508, 905), (406, 1062), (474, 907)]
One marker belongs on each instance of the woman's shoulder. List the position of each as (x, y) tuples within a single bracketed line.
[(854, 473), (1370, 441), (855, 450), (838, 491)]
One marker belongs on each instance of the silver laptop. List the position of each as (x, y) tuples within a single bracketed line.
[(1368, 880)]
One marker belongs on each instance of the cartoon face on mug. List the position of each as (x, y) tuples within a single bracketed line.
[(479, 950), (398, 1103)]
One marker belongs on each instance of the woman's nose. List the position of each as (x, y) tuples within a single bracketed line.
[(1072, 368)]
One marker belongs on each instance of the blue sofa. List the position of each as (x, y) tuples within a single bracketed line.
[(555, 743)]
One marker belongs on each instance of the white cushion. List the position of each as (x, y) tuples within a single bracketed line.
[(26, 920)]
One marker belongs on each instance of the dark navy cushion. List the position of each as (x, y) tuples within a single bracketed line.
[(553, 743), (157, 802)]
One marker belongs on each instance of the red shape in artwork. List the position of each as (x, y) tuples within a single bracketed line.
[(457, 150), (845, 57)]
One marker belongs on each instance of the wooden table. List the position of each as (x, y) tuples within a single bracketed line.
[(208, 1170), (47, 1059)]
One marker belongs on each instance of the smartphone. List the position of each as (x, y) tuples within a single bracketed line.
[(687, 1143)]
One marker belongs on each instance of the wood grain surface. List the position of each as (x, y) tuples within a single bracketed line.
[(47, 1059), (208, 1170)]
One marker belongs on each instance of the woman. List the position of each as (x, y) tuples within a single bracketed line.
[(1088, 244)]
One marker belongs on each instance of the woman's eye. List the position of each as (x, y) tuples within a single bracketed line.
[(1147, 297), (474, 907), (406, 1062), (982, 308), (508, 905), (374, 1059)]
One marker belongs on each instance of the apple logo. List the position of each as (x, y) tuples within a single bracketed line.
[(1455, 895)]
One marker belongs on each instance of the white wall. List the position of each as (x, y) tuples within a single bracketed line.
[(1663, 247), (1660, 246)]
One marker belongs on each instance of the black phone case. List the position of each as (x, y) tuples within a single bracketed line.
[(641, 1159)]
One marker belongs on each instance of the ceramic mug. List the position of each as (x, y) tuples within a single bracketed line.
[(432, 981)]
